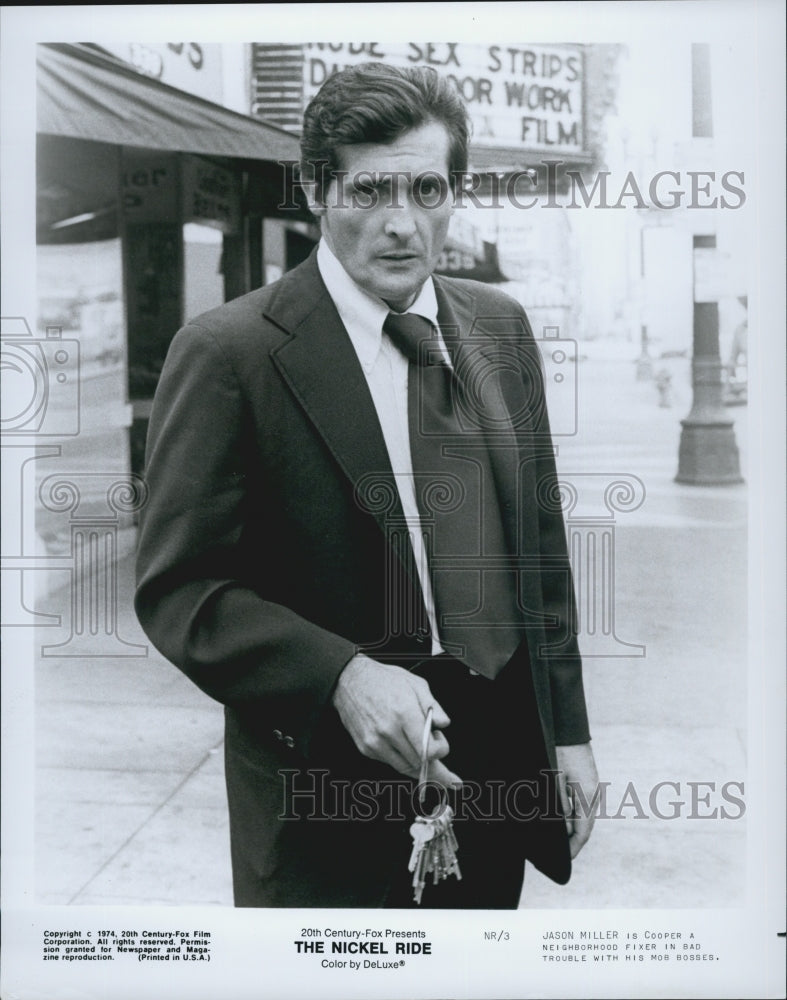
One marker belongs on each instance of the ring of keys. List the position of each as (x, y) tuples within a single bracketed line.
[(434, 841)]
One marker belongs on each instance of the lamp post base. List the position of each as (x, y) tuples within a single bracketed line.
[(708, 454)]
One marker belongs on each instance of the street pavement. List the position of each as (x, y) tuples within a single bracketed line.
[(130, 799)]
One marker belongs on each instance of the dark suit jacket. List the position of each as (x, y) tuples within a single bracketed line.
[(261, 561)]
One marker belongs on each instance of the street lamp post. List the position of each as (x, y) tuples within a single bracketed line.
[(708, 454)]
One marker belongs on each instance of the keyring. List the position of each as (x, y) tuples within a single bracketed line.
[(424, 758)]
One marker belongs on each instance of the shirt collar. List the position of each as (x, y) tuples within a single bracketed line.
[(363, 314)]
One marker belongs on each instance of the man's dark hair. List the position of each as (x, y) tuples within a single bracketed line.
[(375, 102)]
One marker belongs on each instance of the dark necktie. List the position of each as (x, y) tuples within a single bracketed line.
[(474, 593)]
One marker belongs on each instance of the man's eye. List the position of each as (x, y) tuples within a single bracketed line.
[(432, 186)]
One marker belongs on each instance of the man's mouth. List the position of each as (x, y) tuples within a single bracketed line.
[(399, 255)]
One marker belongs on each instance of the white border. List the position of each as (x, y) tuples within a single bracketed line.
[(252, 953)]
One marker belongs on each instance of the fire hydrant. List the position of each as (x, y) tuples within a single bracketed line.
[(663, 382)]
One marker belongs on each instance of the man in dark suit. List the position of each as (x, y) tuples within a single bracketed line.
[(353, 519)]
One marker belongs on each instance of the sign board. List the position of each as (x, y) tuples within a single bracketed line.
[(525, 97), (211, 195), (190, 66), (149, 185)]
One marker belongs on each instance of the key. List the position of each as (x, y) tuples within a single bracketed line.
[(421, 832), (422, 869), (434, 841), (445, 844)]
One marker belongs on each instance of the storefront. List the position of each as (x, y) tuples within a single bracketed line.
[(152, 206)]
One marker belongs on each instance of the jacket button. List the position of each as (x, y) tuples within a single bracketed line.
[(278, 734), (289, 742)]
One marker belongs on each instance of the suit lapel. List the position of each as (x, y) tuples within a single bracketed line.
[(474, 348), (321, 367)]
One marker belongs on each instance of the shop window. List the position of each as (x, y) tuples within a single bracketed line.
[(78, 336), (203, 281)]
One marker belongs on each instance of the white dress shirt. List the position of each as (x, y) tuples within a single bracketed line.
[(386, 368)]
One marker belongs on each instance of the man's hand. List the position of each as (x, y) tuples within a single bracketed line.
[(578, 768), (384, 710)]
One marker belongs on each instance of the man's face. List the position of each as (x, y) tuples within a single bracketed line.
[(386, 213)]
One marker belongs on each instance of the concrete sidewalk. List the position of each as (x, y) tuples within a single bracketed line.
[(131, 806)]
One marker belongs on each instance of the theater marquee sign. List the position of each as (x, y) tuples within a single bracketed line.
[(525, 96), (521, 97)]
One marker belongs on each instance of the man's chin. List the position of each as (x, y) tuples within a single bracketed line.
[(399, 302), (399, 294)]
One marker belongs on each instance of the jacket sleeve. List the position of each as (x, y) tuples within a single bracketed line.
[(561, 650), (193, 598)]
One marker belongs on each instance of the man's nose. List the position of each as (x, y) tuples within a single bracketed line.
[(400, 220)]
